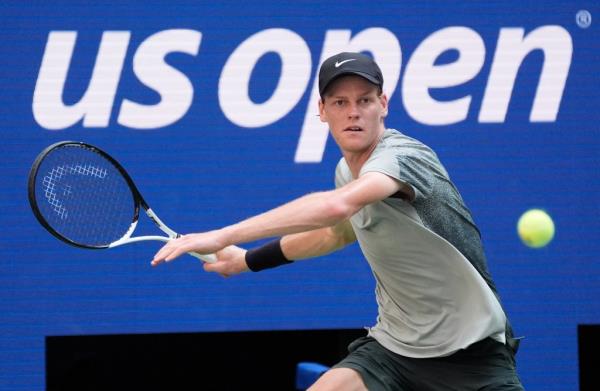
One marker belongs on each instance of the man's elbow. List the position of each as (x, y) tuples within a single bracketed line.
[(337, 210)]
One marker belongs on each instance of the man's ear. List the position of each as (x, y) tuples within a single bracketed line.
[(322, 114), (384, 103)]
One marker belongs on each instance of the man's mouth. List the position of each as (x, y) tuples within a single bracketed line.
[(353, 129)]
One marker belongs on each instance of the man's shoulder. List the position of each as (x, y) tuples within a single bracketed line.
[(396, 143), (343, 175), (393, 138)]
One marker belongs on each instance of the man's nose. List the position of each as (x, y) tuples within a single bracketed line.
[(353, 111)]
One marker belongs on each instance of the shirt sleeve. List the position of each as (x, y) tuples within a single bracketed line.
[(405, 167), (342, 174)]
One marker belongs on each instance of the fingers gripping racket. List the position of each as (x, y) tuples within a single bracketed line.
[(85, 198)]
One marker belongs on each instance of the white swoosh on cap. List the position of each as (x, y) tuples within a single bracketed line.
[(339, 64)]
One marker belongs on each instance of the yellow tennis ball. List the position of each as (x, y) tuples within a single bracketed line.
[(535, 228)]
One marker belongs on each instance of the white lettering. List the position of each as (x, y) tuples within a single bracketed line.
[(95, 106), (234, 97), (512, 48), (424, 73), (421, 74), (174, 87)]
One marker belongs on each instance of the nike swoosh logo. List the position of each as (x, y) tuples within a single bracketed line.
[(340, 63)]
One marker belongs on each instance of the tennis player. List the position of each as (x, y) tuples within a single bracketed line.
[(440, 324)]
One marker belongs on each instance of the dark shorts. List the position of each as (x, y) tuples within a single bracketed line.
[(485, 365)]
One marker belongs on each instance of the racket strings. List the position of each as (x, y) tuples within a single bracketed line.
[(51, 181), (83, 196)]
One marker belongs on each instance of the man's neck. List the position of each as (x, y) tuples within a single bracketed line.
[(356, 160)]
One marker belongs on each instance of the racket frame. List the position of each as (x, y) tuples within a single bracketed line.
[(138, 201)]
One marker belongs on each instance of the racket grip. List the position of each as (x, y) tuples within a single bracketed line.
[(209, 258)]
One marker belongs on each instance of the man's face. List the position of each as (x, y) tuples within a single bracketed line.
[(354, 111)]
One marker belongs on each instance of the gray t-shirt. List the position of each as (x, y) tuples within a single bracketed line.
[(434, 292)]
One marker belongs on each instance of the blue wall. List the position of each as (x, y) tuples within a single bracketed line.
[(206, 106)]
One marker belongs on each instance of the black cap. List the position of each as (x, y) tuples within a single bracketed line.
[(348, 64)]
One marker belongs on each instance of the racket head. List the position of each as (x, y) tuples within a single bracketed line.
[(82, 195)]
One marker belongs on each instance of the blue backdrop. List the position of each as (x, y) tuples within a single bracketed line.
[(211, 108)]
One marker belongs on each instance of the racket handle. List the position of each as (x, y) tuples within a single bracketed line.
[(209, 258)]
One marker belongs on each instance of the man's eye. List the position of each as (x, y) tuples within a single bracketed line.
[(339, 102)]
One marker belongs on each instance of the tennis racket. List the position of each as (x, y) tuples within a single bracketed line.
[(85, 198)]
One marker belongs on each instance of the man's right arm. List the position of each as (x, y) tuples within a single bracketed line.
[(311, 212)]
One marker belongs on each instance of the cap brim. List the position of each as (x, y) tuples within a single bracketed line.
[(350, 72)]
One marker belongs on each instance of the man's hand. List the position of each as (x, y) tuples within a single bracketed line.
[(230, 261), (202, 243)]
